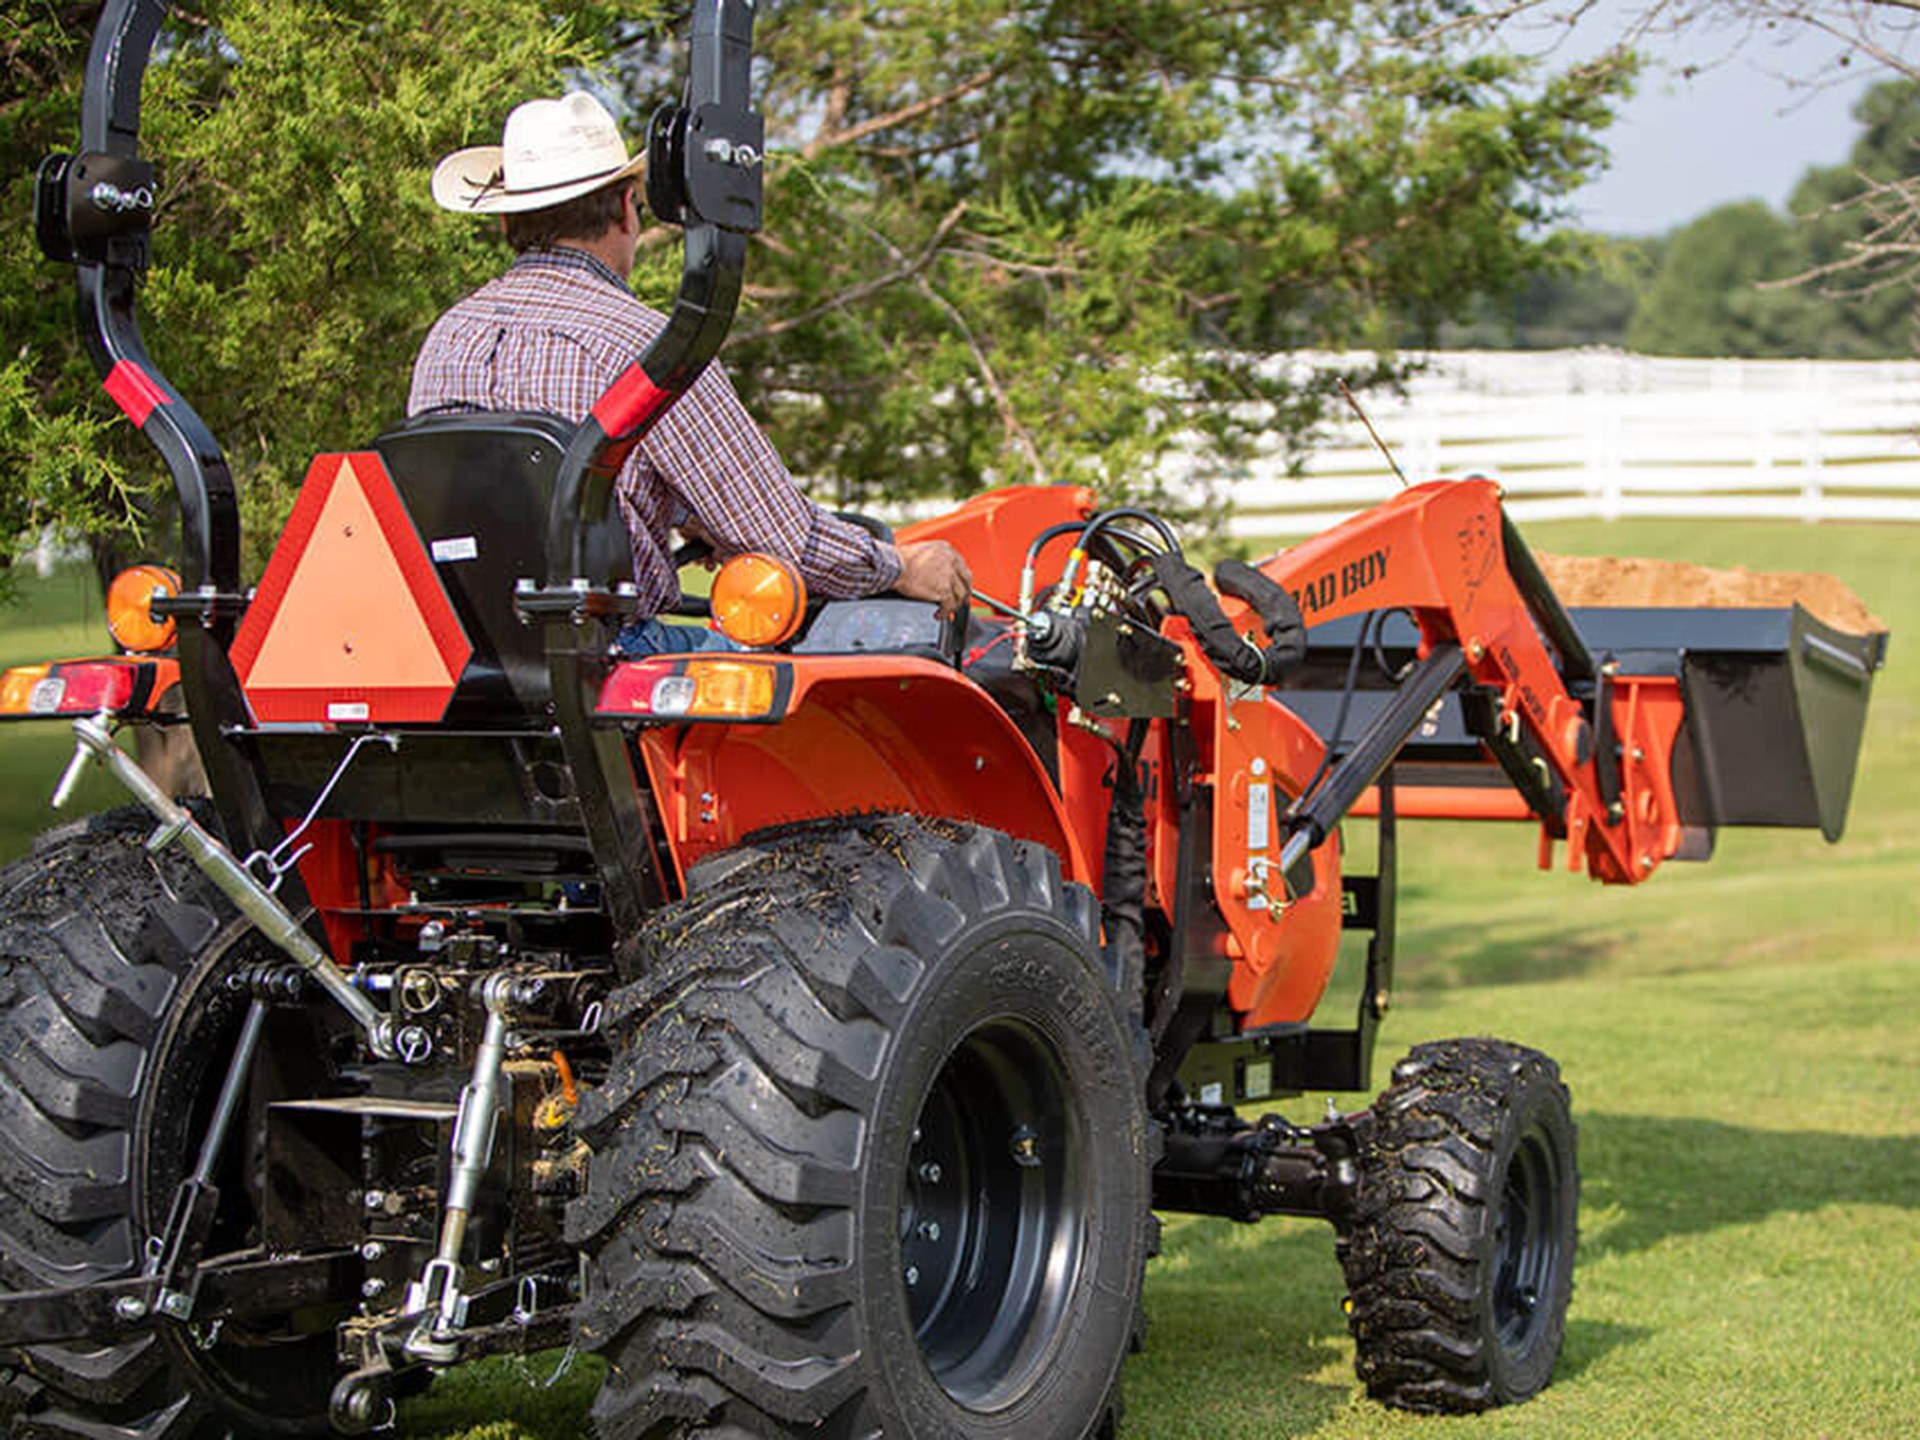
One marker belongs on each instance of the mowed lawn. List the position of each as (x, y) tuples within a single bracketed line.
[(57, 618), (1743, 1043)]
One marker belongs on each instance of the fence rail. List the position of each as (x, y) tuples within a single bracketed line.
[(1605, 435)]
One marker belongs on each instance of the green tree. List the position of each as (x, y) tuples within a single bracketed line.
[(1859, 249), (1836, 281), (1706, 298), (1858, 240), (1590, 302), (1015, 239), (298, 258)]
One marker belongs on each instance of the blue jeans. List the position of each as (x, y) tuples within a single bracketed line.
[(650, 637)]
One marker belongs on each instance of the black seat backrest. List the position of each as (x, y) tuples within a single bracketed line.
[(477, 486)]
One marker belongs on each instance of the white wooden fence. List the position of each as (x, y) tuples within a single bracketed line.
[(1602, 434)]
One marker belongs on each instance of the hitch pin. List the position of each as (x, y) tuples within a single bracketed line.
[(93, 739), (70, 777)]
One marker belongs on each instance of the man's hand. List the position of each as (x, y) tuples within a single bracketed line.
[(933, 570)]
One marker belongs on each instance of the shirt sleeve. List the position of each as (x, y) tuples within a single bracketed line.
[(708, 450)]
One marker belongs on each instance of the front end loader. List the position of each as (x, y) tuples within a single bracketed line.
[(811, 1031)]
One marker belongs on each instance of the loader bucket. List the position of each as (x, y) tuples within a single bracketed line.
[(1776, 702)]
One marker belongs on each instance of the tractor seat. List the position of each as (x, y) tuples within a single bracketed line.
[(477, 485)]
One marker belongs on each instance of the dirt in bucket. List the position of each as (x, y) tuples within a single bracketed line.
[(1581, 580)]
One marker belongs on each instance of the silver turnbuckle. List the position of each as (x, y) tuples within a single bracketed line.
[(436, 1296)]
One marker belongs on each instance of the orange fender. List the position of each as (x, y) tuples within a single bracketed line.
[(851, 734)]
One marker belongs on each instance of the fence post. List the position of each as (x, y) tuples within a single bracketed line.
[(1602, 465), (1813, 389)]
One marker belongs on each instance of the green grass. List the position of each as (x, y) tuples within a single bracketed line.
[(1740, 1038), (59, 618)]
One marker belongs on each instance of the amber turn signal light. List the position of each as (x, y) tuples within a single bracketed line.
[(130, 617), (758, 600)]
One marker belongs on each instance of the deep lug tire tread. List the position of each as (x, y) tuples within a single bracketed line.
[(1418, 1252), (718, 1216), (96, 935)]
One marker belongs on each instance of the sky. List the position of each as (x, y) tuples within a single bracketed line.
[(1754, 117)]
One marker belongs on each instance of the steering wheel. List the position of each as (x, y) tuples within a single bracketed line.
[(879, 529)]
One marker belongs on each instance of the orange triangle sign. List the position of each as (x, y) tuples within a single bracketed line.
[(351, 624)]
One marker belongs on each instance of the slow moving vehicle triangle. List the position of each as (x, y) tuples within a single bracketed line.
[(351, 623)]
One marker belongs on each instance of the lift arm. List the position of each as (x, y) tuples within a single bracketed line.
[(1594, 766)]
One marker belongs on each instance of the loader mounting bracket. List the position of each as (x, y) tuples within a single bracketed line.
[(1292, 1059)]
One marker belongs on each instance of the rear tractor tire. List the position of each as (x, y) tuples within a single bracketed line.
[(114, 1037), (872, 1156), (1459, 1256)]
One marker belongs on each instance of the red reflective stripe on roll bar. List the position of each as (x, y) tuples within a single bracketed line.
[(134, 391), (629, 402)]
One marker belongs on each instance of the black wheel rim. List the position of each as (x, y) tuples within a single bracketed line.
[(277, 1376), (1527, 1236), (993, 1213)]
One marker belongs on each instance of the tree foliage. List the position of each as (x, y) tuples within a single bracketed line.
[(1859, 243), (1006, 238), (298, 258), (1706, 298), (1037, 240)]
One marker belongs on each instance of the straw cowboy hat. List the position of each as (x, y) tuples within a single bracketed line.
[(552, 151)]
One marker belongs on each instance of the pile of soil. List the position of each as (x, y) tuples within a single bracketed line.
[(1614, 580)]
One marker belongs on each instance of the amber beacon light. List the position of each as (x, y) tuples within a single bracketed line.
[(130, 616), (758, 600)]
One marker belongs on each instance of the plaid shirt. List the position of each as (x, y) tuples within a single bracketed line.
[(552, 334)]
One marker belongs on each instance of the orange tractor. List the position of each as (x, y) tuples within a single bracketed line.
[(811, 1031)]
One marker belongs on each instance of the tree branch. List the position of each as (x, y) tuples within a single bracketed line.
[(853, 295), (831, 139), (1002, 403)]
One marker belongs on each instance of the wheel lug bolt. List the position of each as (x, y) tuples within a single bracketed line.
[(913, 1274), (930, 1229), (1025, 1146), (930, 1172)]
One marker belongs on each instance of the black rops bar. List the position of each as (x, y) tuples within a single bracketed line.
[(95, 210), (705, 163), (705, 160)]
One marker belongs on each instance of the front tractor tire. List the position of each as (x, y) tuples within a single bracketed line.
[(1459, 1255), (114, 1034), (872, 1157)]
